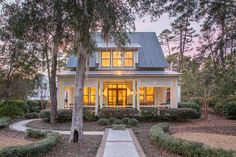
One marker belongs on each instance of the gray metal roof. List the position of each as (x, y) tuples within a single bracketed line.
[(150, 54)]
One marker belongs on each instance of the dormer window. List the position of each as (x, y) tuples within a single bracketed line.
[(117, 59)]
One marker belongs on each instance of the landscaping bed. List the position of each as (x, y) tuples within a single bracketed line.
[(87, 149)]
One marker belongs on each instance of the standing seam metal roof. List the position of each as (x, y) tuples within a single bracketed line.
[(150, 54)]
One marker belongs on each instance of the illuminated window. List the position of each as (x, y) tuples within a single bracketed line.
[(106, 58), (146, 96), (116, 59), (89, 96), (128, 59)]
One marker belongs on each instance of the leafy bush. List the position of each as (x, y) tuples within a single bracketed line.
[(4, 122), (111, 120), (178, 114), (191, 105), (118, 113), (103, 121), (219, 106), (213, 100), (229, 110), (45, 114), (159, 135), (34, 106), (13, 108), (32, 115), (150, 114), (125, 120), (117, 121), (64, 115), (133, 122), (36, 149), (89, 115), (35, 134), (197, 100)]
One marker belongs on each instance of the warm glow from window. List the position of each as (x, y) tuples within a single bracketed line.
[(147, 96), (89, 96), (106, 58), (116, 59), (128, 59)]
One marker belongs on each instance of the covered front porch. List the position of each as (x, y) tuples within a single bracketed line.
[(120, 93)]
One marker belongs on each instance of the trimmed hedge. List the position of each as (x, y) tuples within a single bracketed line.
[(34, 149), (118, 113), (4, 122), (103, 121), (229, 110), (150, 114), (132, 122), (32, 115), (125, 120), (13, 108), (111, 120), (159, 135), (117, 121), (191, 105)]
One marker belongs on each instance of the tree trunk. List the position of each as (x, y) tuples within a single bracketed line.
[(77, 118), (180, 51)]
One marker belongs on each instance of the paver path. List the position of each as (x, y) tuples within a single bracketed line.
[(21, 126), (120, 143)]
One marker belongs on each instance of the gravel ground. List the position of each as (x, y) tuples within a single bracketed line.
[(88, 126), (87, 149), (13, 138), (227, 142)]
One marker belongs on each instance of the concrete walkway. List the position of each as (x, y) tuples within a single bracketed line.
[(119, 143), (21, 126)]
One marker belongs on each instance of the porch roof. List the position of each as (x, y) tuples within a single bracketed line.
[(118, 73)]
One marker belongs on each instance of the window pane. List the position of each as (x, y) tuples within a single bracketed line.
[(150, 99), (142, 91), (92, 91), (92, 99), (85, 99), (116, 56), (128, 59), (128, 54), (150, 91), (85, 90), (106, 55)]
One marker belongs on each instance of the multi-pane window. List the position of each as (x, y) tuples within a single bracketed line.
[(116, 59), (128, 59), (147, 96), (89, 96), (106, 58)]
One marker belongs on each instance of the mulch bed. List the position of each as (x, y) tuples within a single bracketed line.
[(87, 149), (88, 126)]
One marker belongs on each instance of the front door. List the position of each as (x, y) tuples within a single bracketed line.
[(117, 95)]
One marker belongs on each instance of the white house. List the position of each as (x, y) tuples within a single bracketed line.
[(135, 77)]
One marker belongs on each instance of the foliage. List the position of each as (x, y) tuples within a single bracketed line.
[(34, 106), (32, 115), (35, 134), (132, 122), (159, 135), (229, 110), (125, 120), (178, 114), (103, 121), (111, 120), (64, 115), (191, 105), (4, 122), (117, 121), (213, 100), (89, 115), (118, 113), (13, 108), (219, 108), (150, 114), (36, 149)]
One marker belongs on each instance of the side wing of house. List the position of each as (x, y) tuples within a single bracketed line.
[(131, 78)]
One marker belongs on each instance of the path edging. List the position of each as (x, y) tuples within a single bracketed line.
[(136, 144)]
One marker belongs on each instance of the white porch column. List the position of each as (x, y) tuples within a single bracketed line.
[(174, 94), (134, 93), (70, 95), (96, 99), (138, 95), (101, 94), (61, 95)]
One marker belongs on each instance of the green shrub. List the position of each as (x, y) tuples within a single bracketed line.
[(219, 106), (150, 114), (45, 115), (34, 149), (4, 122), (118, 113), (230, 98), (132, 122), (32, 115), (36, 134), (13, 108), (191, 105), (89, 115), (159, 135), (125, 120), (34, 106), (213, 100), (229, 110), (197, 100), (103, 121), (111, 120), (117, 121), (178, 114), (64, 115)]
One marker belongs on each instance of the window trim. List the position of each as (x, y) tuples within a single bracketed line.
[(106, 59)]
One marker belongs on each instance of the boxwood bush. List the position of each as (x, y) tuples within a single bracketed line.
[(103, 121), (4, 122), (191, 105), (117, 121), (229, 110), (150, 114), (34, 149), (111, 120), (118, 113), (125, 120), (132, 122), (159, 134)]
